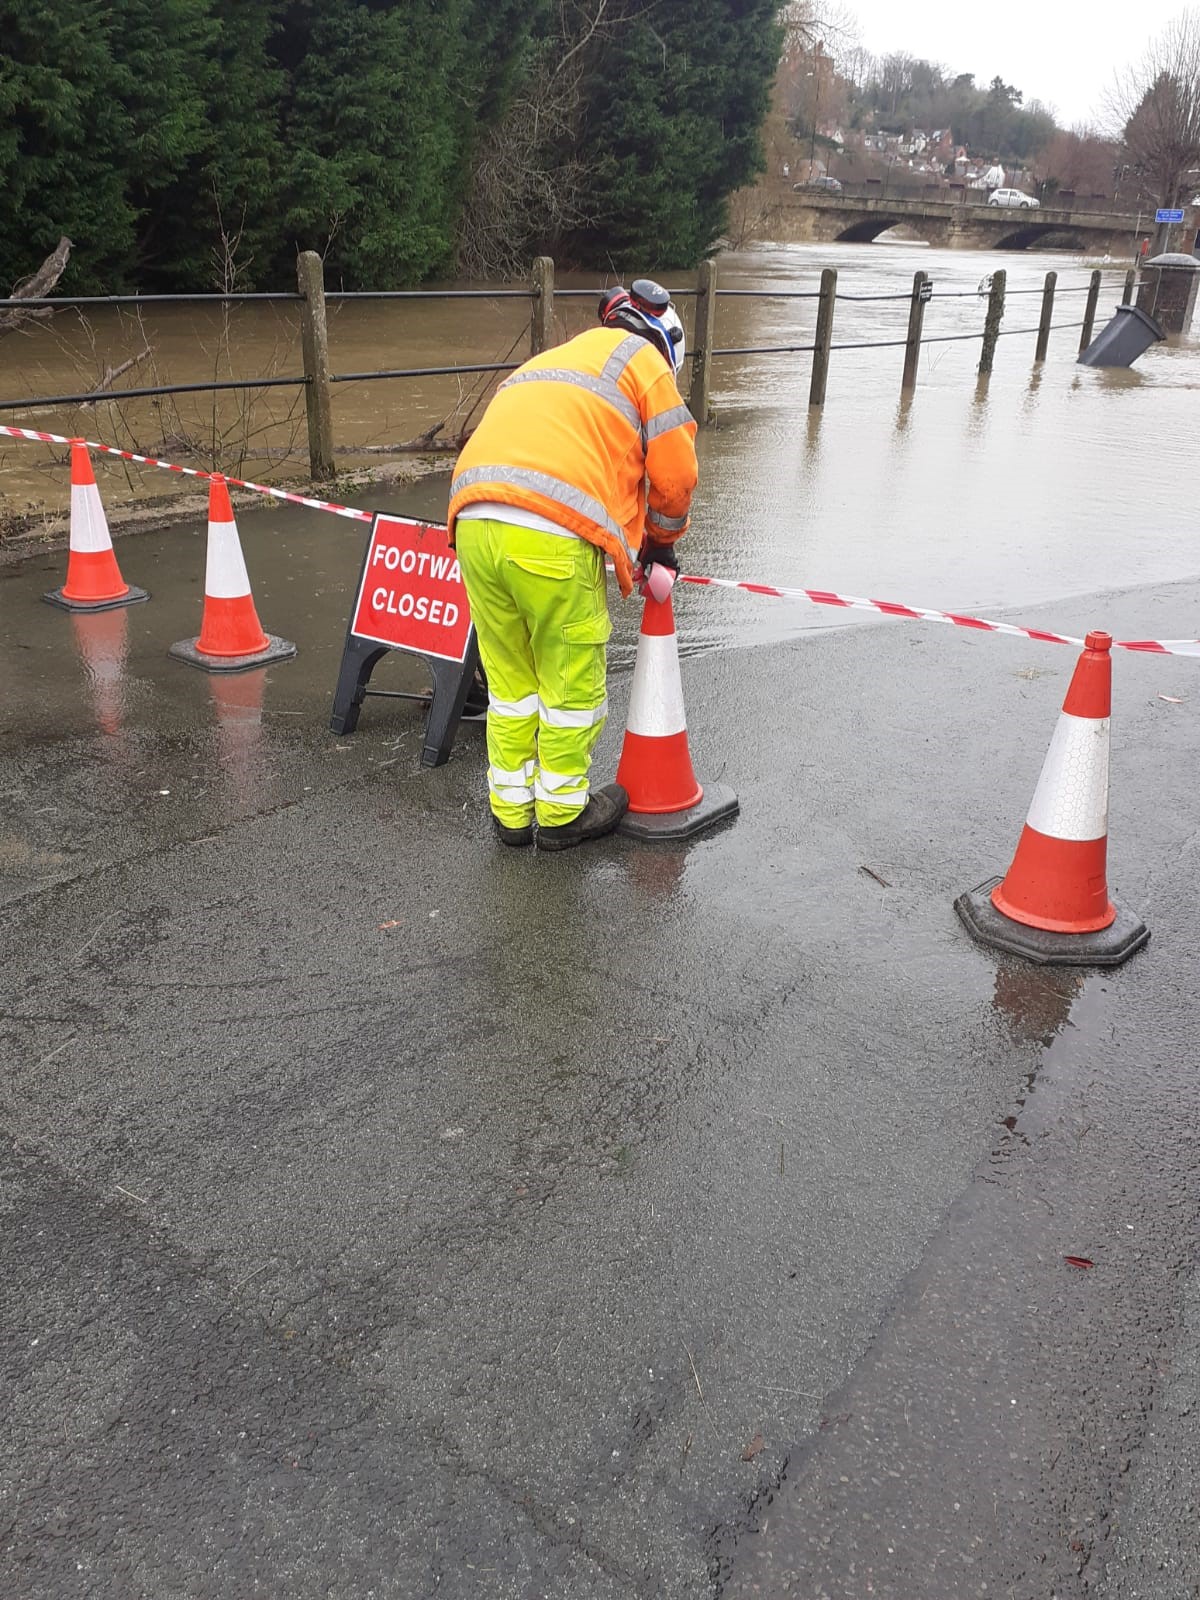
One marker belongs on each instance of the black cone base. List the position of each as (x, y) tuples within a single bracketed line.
[(715, 805), (277, 650), (130, 598), (1108, 947)]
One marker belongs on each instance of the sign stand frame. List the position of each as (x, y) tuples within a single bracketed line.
[(452, 680)]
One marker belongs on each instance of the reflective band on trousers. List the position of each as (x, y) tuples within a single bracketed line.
[(527, 706), (558, 787), (564, 494), (603, 390), (514, 777), (513, 795), (677, 417), (561, 717)]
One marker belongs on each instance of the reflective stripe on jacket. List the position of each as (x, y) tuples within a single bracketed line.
[(574, 434)]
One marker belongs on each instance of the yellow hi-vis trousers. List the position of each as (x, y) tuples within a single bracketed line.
[(541, 617)]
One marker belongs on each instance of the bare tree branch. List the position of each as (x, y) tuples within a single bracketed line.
[(37, 286), (1154, 110)]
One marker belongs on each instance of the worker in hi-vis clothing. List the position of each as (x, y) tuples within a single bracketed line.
[(586, 451)]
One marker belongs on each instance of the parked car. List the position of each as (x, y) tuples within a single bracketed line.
[(823, 185), (1012, 197)]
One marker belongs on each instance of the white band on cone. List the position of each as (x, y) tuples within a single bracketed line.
[(1071, 799), (89, 525), (656, 703), (225, 575)]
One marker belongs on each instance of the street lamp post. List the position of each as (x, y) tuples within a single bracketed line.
[(812, 142)]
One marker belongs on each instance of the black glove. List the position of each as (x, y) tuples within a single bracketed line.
[(655, 555), (662, 555)]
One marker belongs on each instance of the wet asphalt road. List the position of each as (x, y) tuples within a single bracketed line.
[(386, 1213)]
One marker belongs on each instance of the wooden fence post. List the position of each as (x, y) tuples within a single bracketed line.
[(916, 323), (1043, 338), (1089, 311), (823, 337), (1130, 281), (702, 341), (314, 344), (991, 323), (541, 322)]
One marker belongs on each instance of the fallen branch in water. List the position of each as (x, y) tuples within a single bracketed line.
[(37, 286), (112, 373)]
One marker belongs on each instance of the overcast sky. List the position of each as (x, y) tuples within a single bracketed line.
[(1063, 55)]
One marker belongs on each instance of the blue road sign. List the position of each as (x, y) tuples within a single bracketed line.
[(1169, 214)]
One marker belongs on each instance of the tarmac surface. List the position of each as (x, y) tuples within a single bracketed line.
[(388, 1213)]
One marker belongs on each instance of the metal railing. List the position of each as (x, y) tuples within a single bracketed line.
[(317, 379)]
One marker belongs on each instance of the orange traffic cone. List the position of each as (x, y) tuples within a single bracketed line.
[(94, 581), (665, 799), (231, 637), (1053, 904)]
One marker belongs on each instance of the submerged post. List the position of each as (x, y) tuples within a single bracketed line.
[(541, 322), (1089, 311), (823, 337), (1130, 282), (991, 323), (702, 340), (1043, 338), (314, 344), (921, 290)]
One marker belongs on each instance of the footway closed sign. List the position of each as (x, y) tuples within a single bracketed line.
[(412, 596)]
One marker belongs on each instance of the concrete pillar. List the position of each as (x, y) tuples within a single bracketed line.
[(314, 343), (1167, 290)]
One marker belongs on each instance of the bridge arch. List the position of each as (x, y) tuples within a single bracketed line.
[(869, 228), (1029, 234)]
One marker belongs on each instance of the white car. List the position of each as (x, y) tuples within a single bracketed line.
[(1012, 197)]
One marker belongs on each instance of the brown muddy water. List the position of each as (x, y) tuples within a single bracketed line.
[(1046, 481)]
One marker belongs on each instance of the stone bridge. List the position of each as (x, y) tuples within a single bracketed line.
[(846, 219)]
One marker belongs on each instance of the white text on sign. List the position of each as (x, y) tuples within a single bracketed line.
[(412, 596)]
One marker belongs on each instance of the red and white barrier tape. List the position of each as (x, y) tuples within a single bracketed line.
[(193, 472), (819, 597)]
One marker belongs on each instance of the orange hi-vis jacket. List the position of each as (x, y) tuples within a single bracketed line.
[(575, 433)]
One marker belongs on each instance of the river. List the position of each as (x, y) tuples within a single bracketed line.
[(1043, 482)]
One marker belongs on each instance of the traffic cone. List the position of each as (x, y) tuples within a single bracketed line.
[(231, 637), (665, 799), (1052, 905), (94, 581)]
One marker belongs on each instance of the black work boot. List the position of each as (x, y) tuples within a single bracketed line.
[(604, 810), (514, 836)]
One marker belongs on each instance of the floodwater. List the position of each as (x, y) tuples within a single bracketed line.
[(1043, 482)]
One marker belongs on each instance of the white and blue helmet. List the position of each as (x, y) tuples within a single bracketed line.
[(646, 310)]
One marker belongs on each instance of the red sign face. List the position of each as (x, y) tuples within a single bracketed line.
[(412, 595)]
